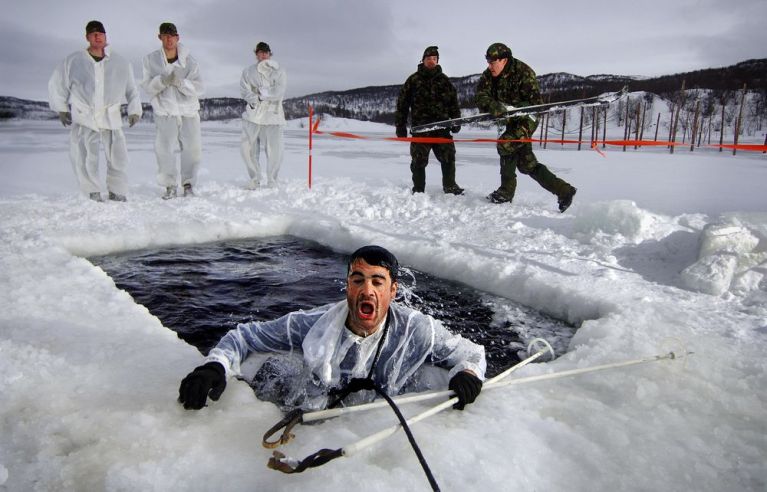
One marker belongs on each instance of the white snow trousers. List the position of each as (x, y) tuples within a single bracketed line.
[(253, 135), (184, 131), (84, 153)]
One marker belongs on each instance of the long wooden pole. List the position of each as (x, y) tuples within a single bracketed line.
[(311, 129)]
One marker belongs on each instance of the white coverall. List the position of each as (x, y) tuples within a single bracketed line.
[(95, 91), (176, 110), (332, 354), (263, 85)]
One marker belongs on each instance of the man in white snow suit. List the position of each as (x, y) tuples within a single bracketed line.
[(87, 90), (172, 80), (366, 336), (263, 85)]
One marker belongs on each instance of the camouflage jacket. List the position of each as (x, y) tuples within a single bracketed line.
[(515, 86), (427, 96)]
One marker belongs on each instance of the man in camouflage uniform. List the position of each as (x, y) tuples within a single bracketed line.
[(508, 81), (429, 96)]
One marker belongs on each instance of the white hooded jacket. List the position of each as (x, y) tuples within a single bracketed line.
[(94, 90), (333, 355), (263, 85), (172, 100)]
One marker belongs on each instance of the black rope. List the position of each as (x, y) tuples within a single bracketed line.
[(410, 437)]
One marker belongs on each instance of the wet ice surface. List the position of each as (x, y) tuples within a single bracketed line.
[(202, 291)]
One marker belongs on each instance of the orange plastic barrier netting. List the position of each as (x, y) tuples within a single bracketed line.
[(592, 144)]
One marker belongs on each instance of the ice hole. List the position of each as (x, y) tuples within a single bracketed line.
[(202, 291)]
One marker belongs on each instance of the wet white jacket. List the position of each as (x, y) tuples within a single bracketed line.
[(263, 85), (172, 100), (332, 354), (94, 91)]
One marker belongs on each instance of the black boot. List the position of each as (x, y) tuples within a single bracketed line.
[(505, 193), (500, 196), (566, 199), (448, 178), (453, 189), (419, 178)]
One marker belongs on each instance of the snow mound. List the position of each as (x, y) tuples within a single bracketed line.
[(620, 217), (727, 258)]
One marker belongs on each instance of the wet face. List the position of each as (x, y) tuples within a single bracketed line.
[(497, 66), (169, 41), (263, 55), (430, 62), (96, 40), (369, 291)]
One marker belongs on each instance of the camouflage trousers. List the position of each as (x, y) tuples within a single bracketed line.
[(445, 154), (519, 156)]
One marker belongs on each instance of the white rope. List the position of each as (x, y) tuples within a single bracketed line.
[(430, 395), (495, 383), (383, 434), (584, 370)]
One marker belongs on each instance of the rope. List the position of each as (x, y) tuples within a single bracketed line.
[(280, 462)]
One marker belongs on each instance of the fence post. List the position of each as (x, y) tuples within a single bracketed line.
[(694, 131), (580, 130), (627, 126), (721, 130), (676, 118), (644, 119), (738, 122), (594, 126), (564, 119)]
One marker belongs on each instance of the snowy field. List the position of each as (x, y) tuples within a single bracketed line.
[(655, 247)]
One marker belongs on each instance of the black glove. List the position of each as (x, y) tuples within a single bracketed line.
[(401, 131), (456, 129), (466, 387), (206, 380)]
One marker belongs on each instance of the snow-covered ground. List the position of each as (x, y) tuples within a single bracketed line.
[(656, 246)]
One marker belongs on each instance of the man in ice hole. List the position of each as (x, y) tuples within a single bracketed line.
[(369, 335)]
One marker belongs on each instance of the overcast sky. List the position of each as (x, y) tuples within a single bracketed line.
[(344, 44)]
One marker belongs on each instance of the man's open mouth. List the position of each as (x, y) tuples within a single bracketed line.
[(367, 309)]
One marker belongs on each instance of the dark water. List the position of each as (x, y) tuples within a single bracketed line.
[(202, 291)]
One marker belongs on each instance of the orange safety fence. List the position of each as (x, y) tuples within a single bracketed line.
[(592, 143)]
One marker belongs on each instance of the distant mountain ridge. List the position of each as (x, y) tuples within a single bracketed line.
[(378, 103)]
